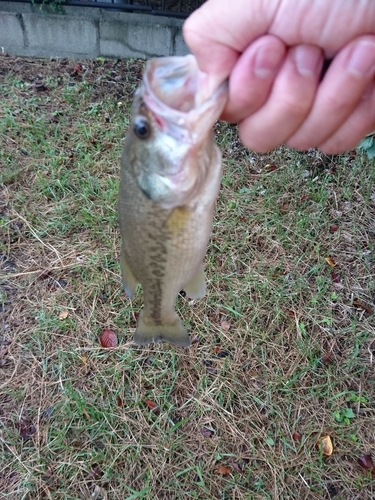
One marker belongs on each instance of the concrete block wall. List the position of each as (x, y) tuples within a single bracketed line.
[(82, 32)]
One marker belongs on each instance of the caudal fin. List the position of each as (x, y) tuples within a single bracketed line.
[(174, 333)]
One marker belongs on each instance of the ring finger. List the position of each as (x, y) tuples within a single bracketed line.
[(289, 102)]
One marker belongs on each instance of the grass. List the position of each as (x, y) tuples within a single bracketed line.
[(283, 342)]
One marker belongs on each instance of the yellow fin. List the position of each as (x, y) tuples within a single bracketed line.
[(173, 333), (129, 281), (178, 219), (196, 288)]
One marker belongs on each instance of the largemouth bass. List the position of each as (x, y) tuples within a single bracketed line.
[(170, 177)]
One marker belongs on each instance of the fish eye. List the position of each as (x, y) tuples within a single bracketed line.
[(141, 128)]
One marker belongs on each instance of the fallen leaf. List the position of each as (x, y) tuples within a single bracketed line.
[(327, 358), (225, 325), (63, 314), (284, 207), (84, 360), (27, 429), (95, 472), (152, 406), (222, 354), (326, 446), (270, 168), (359, 304), (77, 69), (120, 402), (84, 411), (330, 261), (336, 277), (333, 228), (365, 461), (207, 433), (306, 197), (296, 436), (77, 443), (223, 470), (236, 467), (108, 338)]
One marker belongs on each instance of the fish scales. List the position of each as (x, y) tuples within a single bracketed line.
[(170, 177)]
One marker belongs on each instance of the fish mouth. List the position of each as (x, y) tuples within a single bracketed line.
[(174, 81), (175, 89)]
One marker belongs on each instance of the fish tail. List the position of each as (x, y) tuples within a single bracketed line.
[(149, 331)]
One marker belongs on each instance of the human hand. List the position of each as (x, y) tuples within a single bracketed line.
[(273, 53)]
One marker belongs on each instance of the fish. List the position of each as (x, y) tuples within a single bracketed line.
[(169, 182)]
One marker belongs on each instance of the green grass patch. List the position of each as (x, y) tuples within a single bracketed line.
[(283, 341)]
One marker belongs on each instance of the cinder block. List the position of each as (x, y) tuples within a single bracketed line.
[(28, 30), (180, 48), (119, 39), (61, 36), (11, 33), (16, 8)]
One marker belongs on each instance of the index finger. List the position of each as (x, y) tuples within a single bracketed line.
[(219, 31)]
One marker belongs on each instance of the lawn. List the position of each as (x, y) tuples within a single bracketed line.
[(283, 352)]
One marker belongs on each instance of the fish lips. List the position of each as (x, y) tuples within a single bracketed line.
[(175, 91)]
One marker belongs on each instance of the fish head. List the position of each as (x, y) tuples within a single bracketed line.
[(171, 128)]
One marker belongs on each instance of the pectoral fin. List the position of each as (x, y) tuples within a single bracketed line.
[(196, 288), (148, 331), (129, 281)]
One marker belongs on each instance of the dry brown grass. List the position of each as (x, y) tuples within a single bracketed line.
[(74, 423)]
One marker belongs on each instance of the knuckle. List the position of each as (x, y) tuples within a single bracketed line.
[(294, 107)]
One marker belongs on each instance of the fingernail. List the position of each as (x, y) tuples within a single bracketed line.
[(308, 59), (267, 61), (362, 60)]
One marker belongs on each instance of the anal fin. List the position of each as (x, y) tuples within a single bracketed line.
[(129, 281), (196, 288)]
